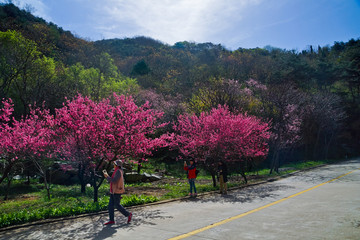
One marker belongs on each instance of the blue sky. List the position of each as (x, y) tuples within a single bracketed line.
[(287, 24)]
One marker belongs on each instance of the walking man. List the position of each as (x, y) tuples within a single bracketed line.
[(116, 189)]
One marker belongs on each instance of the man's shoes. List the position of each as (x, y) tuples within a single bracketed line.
[(190, 194), (129, 218), (109, 223), (195, 194)]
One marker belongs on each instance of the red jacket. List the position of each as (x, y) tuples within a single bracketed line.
[(191, 171)]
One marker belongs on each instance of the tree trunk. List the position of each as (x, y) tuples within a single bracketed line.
[(209, 168), (277, 162), (139, 167), (83, 186), (93, 180), (28, 177), (213, 178), (327, 146), (48, 192), (47, 186), (96, 193), (8, 188), (6, 172), (272, 166), (81, 178), (95, 187), (242, 173), (316, 144)]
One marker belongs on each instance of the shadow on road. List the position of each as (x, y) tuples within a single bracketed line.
[(141, 217), (249, 194)]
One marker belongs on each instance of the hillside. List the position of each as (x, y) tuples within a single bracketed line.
[(195, 76), (51, 40)]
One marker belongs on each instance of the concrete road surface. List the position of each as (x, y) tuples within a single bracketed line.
[(323, 203)]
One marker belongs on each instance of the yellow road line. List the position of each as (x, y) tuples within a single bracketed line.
[(253, 211)]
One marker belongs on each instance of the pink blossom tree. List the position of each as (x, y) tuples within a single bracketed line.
[(9, 159), (30, 138), (96, 134), (131, 133), (76, 121), (220, 135)]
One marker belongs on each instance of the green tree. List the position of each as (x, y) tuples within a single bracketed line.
[(220, 92), (107, 72), (25, 74), (140, 68), (91, 82)]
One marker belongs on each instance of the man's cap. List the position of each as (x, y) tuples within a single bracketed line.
[(118, 163)]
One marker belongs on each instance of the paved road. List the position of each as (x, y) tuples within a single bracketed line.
[(309, 205)]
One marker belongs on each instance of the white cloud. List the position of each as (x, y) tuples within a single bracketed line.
[(169, 20), (217, 21), (37, 7)]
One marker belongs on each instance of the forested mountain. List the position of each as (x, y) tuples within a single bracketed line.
[(312, 96)]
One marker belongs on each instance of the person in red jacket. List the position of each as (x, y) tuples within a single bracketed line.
[(191, 174)]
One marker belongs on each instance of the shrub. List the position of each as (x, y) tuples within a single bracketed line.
[(71, 207)]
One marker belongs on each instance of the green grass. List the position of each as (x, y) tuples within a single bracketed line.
[(37, 210), (65, 201), (261, 172), (304, 165), (291, 167), (174, 169), (68, 201)]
